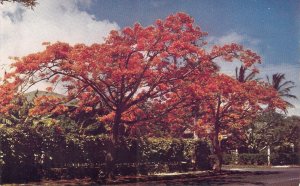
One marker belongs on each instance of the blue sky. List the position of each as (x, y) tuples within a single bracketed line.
[(274, 23), (271, 28)]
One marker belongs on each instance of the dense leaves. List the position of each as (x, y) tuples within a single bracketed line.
[(261, 159), (269, 129), (40, 152)]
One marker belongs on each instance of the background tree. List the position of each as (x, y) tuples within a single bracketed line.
[(274, 129), (17, 116), (293, 128), (269, 129)]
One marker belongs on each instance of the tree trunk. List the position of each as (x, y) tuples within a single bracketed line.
[(216, 142), (217, 151), (115, 133), (111, 154)]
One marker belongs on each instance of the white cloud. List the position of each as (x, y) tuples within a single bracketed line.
[(23, 30), (233, 37)]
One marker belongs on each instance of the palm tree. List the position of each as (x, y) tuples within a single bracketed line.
[(282, 87), (241, 76)]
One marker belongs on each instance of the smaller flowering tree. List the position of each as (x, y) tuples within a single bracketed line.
[(232, 105)]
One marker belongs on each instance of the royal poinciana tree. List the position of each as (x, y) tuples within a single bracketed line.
[(142, 74), (133, 66), (229, 104)]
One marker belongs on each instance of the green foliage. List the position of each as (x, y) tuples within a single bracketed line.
[(20, 115), (228, 159), (246, 159), (203, 160), (279, 131), (18, 153), (253, 159), (262, 159), (284, 159), (163, 150), (40, 150), (81, 123)]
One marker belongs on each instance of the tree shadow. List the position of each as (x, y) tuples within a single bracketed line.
[(224, 178)]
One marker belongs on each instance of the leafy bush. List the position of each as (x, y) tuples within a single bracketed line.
[(46, 153), (18, 152), (262, 159), (203, 153), (284, 158), (253, 159), (228, 159)]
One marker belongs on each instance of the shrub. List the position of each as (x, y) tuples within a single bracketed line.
[(284, 159), (253, 159), (18, 153), (50, 154), (228, 159), (203, 153), (262, 159)]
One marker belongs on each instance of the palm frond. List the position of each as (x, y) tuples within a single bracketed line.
[(282, 87), (241, 76), (287, 83)]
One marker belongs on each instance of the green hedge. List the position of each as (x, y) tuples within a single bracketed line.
[(39, 152), (262, 159), (252, 159), (284, 158), (228, 159)]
